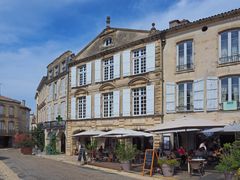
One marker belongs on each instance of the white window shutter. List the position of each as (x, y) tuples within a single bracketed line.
[(88, 107), (73, 108), (170, 97), (198, 95), (116, 103), (126, 102), (98, 75), (212, 93), (116, 60), (126, 56), (89, 73), (177, 52), (150, 99), (97, 105), (63, 104), (73, 76), (150, 57), (219, 46)]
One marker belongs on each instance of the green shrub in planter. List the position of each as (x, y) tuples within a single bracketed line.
[(167, 166), (230, 159), (125, 152)]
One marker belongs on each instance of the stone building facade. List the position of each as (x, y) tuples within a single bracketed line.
[(115, 82), (202, 71), (14, 118), (51, 99)]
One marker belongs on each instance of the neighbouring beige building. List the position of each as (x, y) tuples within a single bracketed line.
[(14, 118), (51, 99), (116, 82), (201, 67)]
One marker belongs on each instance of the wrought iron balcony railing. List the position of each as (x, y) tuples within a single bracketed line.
[(184, 67), (54, 125), (5, 132), (229, 59)]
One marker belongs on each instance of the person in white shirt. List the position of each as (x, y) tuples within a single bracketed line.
[(203, 145)]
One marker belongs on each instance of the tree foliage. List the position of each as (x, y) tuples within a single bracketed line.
[(38, 136)]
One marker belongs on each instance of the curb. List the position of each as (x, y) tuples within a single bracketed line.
[(122, 173)]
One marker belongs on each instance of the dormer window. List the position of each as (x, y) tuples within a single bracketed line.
[(63, 66), (50, 74), (56, 70), (108, 42)]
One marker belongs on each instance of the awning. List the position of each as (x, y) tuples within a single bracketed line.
[(177, 131), (186, 123), (91, 132), (122, 132), (232, 127)]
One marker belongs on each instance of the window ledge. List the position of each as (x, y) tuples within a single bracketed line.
[(184, 71), (227, 64)]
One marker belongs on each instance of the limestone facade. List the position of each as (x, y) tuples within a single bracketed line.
[(121, 85), (202, 69), (14, 118)]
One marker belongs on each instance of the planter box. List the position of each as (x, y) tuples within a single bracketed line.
[(26, 150)]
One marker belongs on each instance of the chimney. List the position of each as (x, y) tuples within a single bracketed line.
[(23, 102), (108, 22), (177, 22)]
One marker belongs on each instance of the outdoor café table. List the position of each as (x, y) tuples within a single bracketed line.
[(195, 160)]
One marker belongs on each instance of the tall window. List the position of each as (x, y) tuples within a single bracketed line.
[(55, 90), (11, 111), (82, 75), (82, 107), (139, 61), (63, 66), (139, 101), (1, 109), (185, 96), (108, 104), (56, 70), (185, 56), (230, 89), (2, 125), (10, 126), (50, 74), (108, 69), (229, 50)]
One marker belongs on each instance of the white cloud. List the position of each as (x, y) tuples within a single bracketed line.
[(184, 9)]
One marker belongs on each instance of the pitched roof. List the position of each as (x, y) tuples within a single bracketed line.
[(4, 98), (120, 36), (214, 18)]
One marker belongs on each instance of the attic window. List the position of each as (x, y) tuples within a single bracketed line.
[(108, 42)]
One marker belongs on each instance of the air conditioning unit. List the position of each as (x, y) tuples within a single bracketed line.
[(230, 105)]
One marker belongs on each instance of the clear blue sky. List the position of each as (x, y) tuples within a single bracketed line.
[(35, 32)]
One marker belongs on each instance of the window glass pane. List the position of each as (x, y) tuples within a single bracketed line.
[(235, 89), (108, 104), (181, 96), (82, 107), (139, 101), (234, 41), (82, 75), (139, 61), (224, 89), (189, 54), (181, 54), (189, 96), (108, 67), (224, 44)]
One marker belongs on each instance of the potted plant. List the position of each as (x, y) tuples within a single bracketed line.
[(91, 148), (126, 153), (24, 142), (168, 166), (230, 160)]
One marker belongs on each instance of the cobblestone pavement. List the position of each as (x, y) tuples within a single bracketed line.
[(36, 168)]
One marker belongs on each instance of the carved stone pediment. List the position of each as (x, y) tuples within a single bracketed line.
[(107, 86), (81, 91), (138, 81)]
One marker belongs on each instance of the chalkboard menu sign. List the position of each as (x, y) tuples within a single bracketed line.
[(150, 161)]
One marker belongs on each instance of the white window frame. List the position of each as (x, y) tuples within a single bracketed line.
[(55, 90), (56, 70), (11, 128), (185, 105), (2, 125), (108, 42), (139, 61), (229, 88), (108, 69), (107, 99), (186, 65), (63, 66), (82, 107), (82, 75), (230, 57), (139, 95)]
